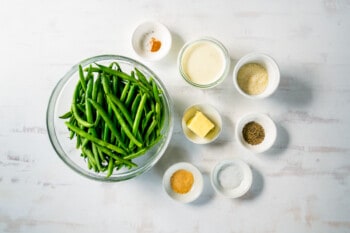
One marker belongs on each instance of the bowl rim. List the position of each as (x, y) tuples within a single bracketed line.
[(226, 57), (52, 132), (245, 60)]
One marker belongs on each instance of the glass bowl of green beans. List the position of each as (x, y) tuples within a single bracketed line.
[(110, 118)]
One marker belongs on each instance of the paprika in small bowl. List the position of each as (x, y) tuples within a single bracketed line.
[(151, 41)]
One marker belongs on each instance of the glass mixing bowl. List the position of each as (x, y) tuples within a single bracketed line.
[(60, 102)]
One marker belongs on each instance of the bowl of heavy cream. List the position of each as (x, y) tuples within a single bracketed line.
[(204, 62)]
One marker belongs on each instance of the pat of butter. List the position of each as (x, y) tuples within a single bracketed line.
[(200, 124)]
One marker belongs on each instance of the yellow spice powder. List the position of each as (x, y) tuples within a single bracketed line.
[(181, 181), (252, 78)]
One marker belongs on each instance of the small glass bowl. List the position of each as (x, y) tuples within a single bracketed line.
[(60, 102), (225, 56)]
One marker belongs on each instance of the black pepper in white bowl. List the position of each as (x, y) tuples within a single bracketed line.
[(256, 132)]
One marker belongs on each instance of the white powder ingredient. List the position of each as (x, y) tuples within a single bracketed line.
[(230, 176), (252, 78)]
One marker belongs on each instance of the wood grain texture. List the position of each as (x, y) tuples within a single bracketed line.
[(301, 185)]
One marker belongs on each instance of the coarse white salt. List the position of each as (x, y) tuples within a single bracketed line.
[(230, 176)]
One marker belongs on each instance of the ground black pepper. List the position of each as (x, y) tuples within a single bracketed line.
[(253, 133)]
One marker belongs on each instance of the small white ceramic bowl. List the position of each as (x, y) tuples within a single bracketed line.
[(196, 189), (142, 40), (211, 113), (269, 127), (231, 178), (272, 70)]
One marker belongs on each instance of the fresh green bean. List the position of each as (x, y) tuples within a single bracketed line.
[(96, 88), (71, 134), (82, 78), (89, 74), (147, 119), (155, 92), (125, 126), (117, 73), (142, 78), (90, 156), (78, 142), (116, 157), (100, 154), (66, 115), (137, 154), (96, 140), (81, 107), (122, 108), (124, 76), (125, 91), (115, 84), (96, 157), (151, 128), (99, 101), (108, 121), (105, 84), (138, 115), (131, 94), (158, 112), (110, 167), (88, 110), (135, 105), (80, 120), (88, 162)]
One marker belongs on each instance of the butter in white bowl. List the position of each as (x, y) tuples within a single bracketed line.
[(201, 123)]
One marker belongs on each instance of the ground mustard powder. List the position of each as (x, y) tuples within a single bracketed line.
[(252, 78), (181, 181)]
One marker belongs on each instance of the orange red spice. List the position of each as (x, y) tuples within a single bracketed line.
[(155, 44)]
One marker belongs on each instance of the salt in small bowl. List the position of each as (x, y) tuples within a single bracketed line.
[(231, 178)]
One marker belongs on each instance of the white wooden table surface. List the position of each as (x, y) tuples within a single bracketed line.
[(301, 185)]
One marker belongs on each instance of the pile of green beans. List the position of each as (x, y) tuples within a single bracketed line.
[(115, 117)]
